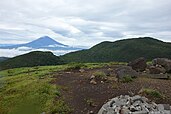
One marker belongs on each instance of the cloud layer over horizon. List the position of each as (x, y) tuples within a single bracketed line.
[(83, 23)]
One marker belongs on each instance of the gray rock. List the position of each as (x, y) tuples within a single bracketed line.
[(139, 112), (139, 64), (157, 70), (136, 98), (164, 62), (136, 105), (125, 71)]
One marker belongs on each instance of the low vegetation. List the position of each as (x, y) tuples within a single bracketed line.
[(100, 75), (76, 66), (36, 58), (151, 92), (127, 79), (29, 91)]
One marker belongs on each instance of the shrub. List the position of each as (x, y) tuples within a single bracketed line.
[(100, 75), (126, 79), (76, 66)]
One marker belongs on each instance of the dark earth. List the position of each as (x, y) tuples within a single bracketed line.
[(83, 97)]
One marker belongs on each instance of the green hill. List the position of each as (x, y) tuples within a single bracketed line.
[(122, 50), (3, 59), (36, 58)]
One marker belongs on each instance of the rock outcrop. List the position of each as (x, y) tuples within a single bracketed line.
[(133, 105), (124, 71), (139, 64), (157, 70), (164, 62)]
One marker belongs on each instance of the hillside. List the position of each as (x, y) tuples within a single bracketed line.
[(3, 59), (36, 58), (122, 50)]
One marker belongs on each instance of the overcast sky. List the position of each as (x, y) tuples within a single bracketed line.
[(83, 22)]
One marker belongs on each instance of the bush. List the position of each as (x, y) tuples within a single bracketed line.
[(126, 79), (100, 75), (76, 66)]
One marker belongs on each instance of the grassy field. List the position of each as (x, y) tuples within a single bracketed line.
[(29, 91)]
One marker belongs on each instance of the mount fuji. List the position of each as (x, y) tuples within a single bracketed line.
[(44, 43)]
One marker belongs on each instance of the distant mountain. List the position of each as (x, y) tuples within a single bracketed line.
[(122, 50), (44, 42), (4, 45), (3, 59), (36, 58)]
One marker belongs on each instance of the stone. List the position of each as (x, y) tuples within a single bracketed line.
[(93, 82), (102, 82), (164, 62), (139, 64), (137, 105), (136, 98), (91, 112), (125, 71), (81, 70), (139, 112), (92, 77), (157, 70)]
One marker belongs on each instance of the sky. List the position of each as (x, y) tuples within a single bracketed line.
[(83, 22)]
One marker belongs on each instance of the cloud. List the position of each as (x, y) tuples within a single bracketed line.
[(83, 23), (24, 50)]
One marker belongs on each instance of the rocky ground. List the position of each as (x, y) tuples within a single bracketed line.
[(85, 98)]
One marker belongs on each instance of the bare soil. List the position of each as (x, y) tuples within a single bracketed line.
[(83, 97)]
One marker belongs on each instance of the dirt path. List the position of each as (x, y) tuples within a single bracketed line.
[(82, 96)]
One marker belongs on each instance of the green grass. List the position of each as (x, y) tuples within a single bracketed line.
[(28, 91), (151, 92), (126, 79), (100, 75), (77, 66)]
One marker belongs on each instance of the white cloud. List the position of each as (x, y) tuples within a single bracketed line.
[(24, 50), (85, 23)]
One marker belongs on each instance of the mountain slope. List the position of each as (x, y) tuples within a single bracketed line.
[(122, 50), (3, 59), (36, 58), (44, 41)]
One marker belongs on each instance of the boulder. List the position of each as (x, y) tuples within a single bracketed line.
[(156, 70), (133, 105), (139, 64), (164, 62), (125, 71)]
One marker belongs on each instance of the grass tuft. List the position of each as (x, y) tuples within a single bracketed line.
[(100, 75), (151, 92), (126, 79)]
